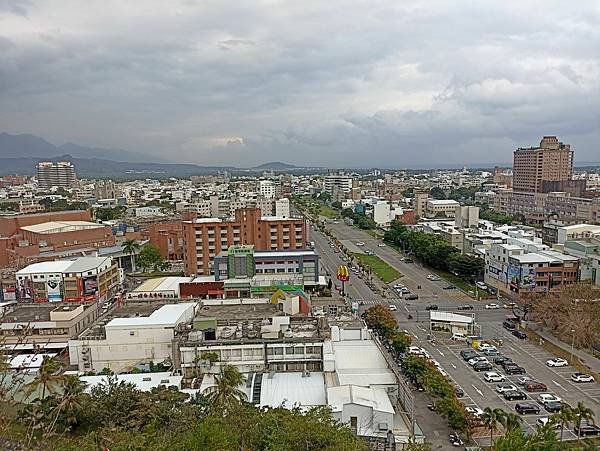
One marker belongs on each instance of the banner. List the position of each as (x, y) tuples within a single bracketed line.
[(527, 277), (90, 286), (513, 275), (24, 289), (53, 288)]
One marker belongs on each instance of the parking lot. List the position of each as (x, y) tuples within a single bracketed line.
[(530, 356)]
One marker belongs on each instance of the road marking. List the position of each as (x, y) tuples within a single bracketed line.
[(558, 385), (453, 365), (416, 336), (515, 351), (422, 328), (441, 353), (477, 390)]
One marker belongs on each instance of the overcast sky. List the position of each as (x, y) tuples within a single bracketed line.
[(333, 83)]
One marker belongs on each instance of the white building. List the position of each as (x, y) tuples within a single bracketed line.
[(124, 342), (381, 213), (441, 207), (466, 217), (282, 207), (144, 212), (342, 183), (267, 189)]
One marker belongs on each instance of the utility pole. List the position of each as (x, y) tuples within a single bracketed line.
[(572, 344)]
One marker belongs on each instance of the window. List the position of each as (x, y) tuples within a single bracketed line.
[(131, 332)]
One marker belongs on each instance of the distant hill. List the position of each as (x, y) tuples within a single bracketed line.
[(27, 145), (275, 166)]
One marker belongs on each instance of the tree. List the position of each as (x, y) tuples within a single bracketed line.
[(68, 410), (466, 266), (225, 394), (580, 413), (380, 318), (564, 417), (149, 257), (401, 342), (48, 377), (512, 421), (131, 247), (437, 193), (491, 418)]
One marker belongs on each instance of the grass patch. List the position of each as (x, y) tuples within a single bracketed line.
[(455, 280), (380, 268), (374, 233), (328, 212)]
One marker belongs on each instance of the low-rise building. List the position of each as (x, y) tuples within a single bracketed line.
[(441, 208)]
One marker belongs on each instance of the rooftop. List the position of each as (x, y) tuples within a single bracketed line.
[(450, 317), (170, 283), (61, 226), (142, 381), (238, 312), (58, 266), (168, 315)]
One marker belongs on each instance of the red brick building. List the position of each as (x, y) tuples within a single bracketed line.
[(168, 237), (204, 238)]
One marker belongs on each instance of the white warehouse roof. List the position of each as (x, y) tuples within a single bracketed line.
[(57, 266), (450, 317), (142, 381), (168, 315)]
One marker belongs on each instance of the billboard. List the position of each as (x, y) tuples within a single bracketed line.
[(527, 277), (25, 289), (496, 271), (53, 288), (513, 275), (90, 286), (343, 274)]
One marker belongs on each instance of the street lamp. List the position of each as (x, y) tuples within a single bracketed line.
[(572, 344)]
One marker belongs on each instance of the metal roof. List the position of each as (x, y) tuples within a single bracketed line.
[(61, 226)]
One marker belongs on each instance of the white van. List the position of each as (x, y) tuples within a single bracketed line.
[(457, 336)]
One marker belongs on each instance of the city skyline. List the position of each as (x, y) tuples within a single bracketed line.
[(316, 85)]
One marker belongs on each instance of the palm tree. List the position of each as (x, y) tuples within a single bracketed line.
[(491, 418), (48, 377), (582, 412), (225, 393), (564, 417), (130, 247), (70, 402), (511, 421)]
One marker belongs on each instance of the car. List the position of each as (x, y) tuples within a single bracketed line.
[(381, 245), (465, 307), (360, 243), (501, 388), (547, 397), (492, 376), (432, 277), (526, 408), (482, 366), (498, 360), (534, 386), (553, 406), (514, 395), (415, 350), (543, 421), (509, 325), (459, 392), (449, 287), (492, 306), (457, 336), (474, 360), (408, 260), (431, 307), (582, 377), (557, 362), (514, 369), (405, 290), (483, 345), (520, 335), (586, 430), (392, 307), (368, 252), (468, 354), (481, 285), (411, 297), (398, 286), (524, 380), (509, 305), (491, 351), (474, 411)]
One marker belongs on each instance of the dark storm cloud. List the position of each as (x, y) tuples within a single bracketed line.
[(323, 83)]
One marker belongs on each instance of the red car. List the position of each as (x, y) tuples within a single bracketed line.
[(535, 386)]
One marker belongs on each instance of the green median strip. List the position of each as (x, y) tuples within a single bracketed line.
[(378, 267)]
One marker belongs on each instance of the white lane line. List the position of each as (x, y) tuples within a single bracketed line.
[(416, 336), (558, 385), (514, 350), (453, 365), (441, 353), (477, 390)]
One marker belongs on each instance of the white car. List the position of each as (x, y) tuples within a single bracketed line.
[(547, 397), (415, 350), (501, 388), (381, 245), (474, 411), (360, 243), (541, 422), (582, 377), (510, 305), (484, 345), (555, 362), (492, 376), (481, 285), (492, 306), (474, 360)]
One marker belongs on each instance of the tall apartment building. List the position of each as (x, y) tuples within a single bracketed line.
[(60, 174), (420, 202), (204, 238), (337, 182), (542, 169)]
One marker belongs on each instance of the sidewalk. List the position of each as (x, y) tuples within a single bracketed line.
[(584, 357)]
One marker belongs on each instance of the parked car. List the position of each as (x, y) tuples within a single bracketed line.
[(411, 297), (510, 305), (459, 392), (483, 345), (582, 377), (465, 307), (492, 306), (468, 354), (509, 325), (520, 335), (552, 406), (524, 380), (481, 285), (449, 287), (501, 388), (556, 362), (526, 408), (514, 369), (493, 376), (499, 360), (381, 245), (475, 412), (392, 307), (547, 397), (360, 243), (534, 386), (431, 307), (477, 359), (491, 351), (457, 336), (482, 366), (514, 395), (586, 430), (408, 260)]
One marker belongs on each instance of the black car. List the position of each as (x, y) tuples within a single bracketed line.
[(527, 408), (553, 406), (499, 360), (519, 334), (411, 297), (482, 366), (431, 307), (514, 369), (468, 354), (586, 430), (459, 392), (465, 307), (449, 287), (514, 395), (509, 325)]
